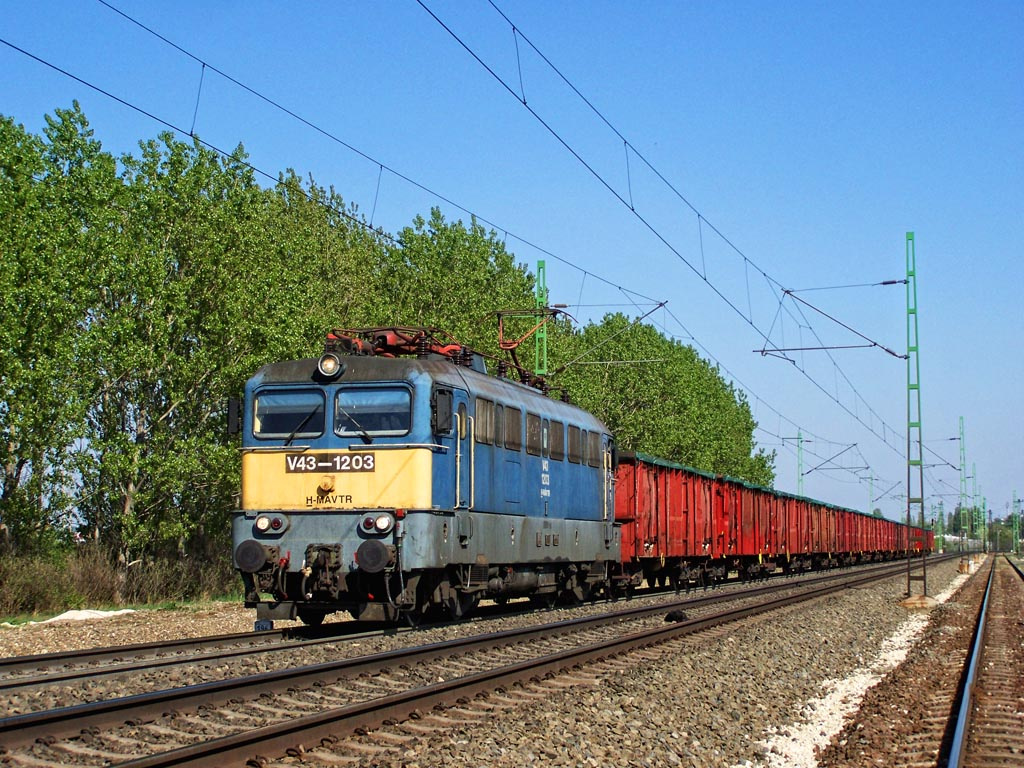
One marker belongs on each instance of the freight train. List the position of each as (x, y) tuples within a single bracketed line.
[(394, 476)]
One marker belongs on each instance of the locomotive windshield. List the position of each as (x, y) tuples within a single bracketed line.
[(289, 414), (360, 411)]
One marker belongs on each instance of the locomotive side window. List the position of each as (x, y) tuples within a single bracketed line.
[(484, 421), (533, 434), (575, 445), (499, 430), (363, 411), (292, 414), (513, 429), (557, 441), (594, 449)]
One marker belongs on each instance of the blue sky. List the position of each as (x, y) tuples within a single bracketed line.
[(811, 136)]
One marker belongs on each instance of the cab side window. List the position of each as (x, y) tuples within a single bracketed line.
[(513, 429), (575, 445), (484, 426), (556, 441), (534, 444), (594, 449)]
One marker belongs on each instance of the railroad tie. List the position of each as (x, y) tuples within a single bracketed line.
[(28, 761), (80, 750), (391, 737), (325, 757), (366, 747), (204, 726)]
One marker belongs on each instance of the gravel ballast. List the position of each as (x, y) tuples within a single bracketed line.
[(703, 703), (707, 701)]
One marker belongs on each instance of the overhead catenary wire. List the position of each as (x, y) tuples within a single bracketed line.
[(381, 168), (604, 182), (168, 124), (758, 399), (870, 342), (374, 161), (901, 281)]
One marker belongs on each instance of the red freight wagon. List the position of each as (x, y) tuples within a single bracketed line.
[(680, 526)]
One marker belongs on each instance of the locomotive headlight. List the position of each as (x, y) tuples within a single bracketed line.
[(329, 365), (262, 523)]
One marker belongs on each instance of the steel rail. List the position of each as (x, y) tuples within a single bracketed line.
[(68, 721), (10, 664), (1015, 567), (245, 747), (958, 747), (189, 651), (308, 634), (184, 651), (22, 730)]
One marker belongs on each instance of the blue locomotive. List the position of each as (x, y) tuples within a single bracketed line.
[(394, 476)]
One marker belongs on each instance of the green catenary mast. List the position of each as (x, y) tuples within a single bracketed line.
[(974, 498), (915, 449), (799, 463), (1016, 524), (963, 497), (540, 362), (986, 517)]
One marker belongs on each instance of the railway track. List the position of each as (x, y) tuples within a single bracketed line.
[(18, 672), (958, 700), (70, 667), (228, 722), (989, 731)]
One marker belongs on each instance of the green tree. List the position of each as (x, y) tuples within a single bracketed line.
[(213, 277), (659, 396), (449, 276), (137, 293), (57, 198)]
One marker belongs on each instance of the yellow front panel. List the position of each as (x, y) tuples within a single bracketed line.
[(327, 479)]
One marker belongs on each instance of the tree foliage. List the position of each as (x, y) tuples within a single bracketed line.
[(137, 293), (660, 397), (451, 277)]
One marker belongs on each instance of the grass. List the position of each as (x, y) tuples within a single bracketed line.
[(37, 587)]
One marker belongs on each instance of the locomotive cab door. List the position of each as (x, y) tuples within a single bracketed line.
[(452, 428), (465, 476)]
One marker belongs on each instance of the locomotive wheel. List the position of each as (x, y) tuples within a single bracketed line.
[(573, 593), (459, 604), (545, 600), (418, 590), (310, 617), (414, 617)]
